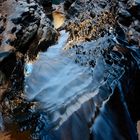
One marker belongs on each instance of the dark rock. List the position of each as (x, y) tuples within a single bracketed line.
[(134, 8), (26, 37), (125, 17), (16, 20), (120, 35), (107, 53), (124, 14), (3, 55), (13, 29), (133, 37), (137, 2), (49, 37), (45, 2), (2, 78), (8, 64), (1, 29), (137, 25), (92, 14), (68, 3), (73, 10), (5, 52)]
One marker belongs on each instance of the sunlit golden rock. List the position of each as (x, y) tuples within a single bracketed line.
[(58, 19)]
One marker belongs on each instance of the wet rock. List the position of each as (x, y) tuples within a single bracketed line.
[(46, 34), (136, 25), (1, 29), (125, 17), (27, 36), (124, 14), (120, 34), (2, 78), (27, 27), (102, 4), (13, 29), (5, 52), (68, 3), (8, 64), (133, 99), (21, 28), (47, 41), (44, 2), (131, 13), (133, 37), (47, 6), (102, 48), (135, 2), (1, 122), (134, 8)]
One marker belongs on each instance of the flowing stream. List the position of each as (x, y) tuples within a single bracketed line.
[(71, 85), (55, 80)]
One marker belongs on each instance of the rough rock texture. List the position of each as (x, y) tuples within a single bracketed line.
[(112, 29), (24, 23), (24, 31), (24, 28)]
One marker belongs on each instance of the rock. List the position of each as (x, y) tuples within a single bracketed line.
[(45, 2), (103, 43), (8, 63), (124, 14), (47, 5), (58, 19), (134, 8), (133, 37), (2, 78), (28, 34), (102, 4), (68, 3), (125, 17), (13, 30), (48, 38), (1, 122), (46, 34), (136, 2), (22, 26), (5, 52), (137, 25), (138, 129), (128, 18), (1, 29)]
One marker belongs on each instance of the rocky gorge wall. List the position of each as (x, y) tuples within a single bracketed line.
[(104, 38)]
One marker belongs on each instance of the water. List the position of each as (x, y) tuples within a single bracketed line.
[(55, 80), (59, 84), (77, 96)]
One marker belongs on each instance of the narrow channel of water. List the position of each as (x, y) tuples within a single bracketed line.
[(65, 89), (55, 79)]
